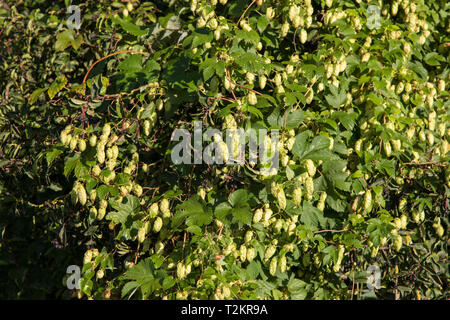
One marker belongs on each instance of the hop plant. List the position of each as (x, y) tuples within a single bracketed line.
[(309, 184), (157, 225), (297, 196), (257, 216), (270, 251), (367, 200), (164, 208), (273, 266)]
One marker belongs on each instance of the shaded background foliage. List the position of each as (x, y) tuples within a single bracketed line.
[(42, 231)]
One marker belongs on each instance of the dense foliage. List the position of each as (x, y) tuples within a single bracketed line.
[(86, 176)]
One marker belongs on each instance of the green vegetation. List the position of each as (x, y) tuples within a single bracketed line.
[(86, 176)]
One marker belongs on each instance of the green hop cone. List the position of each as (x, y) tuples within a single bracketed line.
[(309, 184), (87, 257), (164, 208), (141, 234), (273, 266), (281, 197), (101, 213), (248, 236), (252, 99), (283, 264), (251, 254), (157, 225), (270, 251), (81, 193), (81, 145), (243, 252), (398, 243), (297, 196), (93, 140), (73, 143), (181, 270), (262, 81), (303, 36), (257, 216), (367, 200)]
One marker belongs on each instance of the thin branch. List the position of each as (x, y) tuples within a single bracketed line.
[(221, 98), (240, 85), (108, 56), (430, 163), (320, 231), (231, 84), (245, 11)]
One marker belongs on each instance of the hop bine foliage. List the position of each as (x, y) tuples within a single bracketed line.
[(87, 118)]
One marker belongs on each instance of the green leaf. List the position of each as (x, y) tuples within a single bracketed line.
[(128, 207), (314, 150), (249, 36), (418, 68), (323, 154), (377, 100), (294, 119), (52, 155), (297, 288), (56, 86), (248, 60), (195, 230), (290, 174), (311, 216), (295, 284), (157, 260), (70, 164), (132, 28), (64, 40), (142, 277), (132, 63), (242, 214), (239, 198), (433, 58), (168, 282), (102, 191), (300, 143), (81, 170), (77, 42), (152, 65), (201, 38), (222, 210), (275, 119), (332, 171), (35, 95), (90, 183), (254, 268), (348, 120), (387, 166), (336, 100), (255, 111), (262, 23), (86, 286), (195, 212)]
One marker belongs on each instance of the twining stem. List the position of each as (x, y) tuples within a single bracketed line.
[(108, 56), (425, 164), (245, 11), (320, 231)]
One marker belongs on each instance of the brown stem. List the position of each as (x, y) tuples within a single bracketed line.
[(245, 12), (432, 163), (108, 56), (320, 231)]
